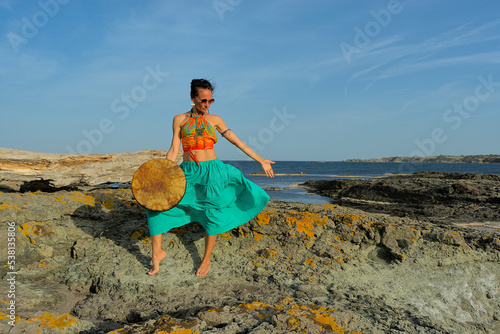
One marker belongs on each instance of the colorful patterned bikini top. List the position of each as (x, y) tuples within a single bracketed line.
[(197, 134)]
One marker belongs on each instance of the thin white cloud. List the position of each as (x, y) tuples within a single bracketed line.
[(402, 69), (404, 59)]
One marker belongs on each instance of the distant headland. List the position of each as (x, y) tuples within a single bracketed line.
[(476, 159)]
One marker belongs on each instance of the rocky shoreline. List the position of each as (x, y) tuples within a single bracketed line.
[(462, 198), (30, 171), (82, 255), (475, 159)]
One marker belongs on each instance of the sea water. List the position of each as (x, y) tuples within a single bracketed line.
[(290, 173)]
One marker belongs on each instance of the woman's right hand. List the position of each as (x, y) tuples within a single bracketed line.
[(266, 166)]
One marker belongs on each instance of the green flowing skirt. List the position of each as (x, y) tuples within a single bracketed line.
[(217, 196)]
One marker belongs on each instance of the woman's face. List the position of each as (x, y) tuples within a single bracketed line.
[(203, 101)]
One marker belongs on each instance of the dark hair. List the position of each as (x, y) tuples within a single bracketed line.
[(200, 83)]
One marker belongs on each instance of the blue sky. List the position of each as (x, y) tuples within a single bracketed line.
[(296, 80)]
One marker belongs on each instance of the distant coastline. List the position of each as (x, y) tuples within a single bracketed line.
[(476, 159)]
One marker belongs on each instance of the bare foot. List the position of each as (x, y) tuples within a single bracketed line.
[(156, 263), (203, 269)]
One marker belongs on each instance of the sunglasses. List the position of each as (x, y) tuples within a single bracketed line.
[(205, 100)]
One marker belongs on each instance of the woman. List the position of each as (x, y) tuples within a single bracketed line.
[(217, 196)]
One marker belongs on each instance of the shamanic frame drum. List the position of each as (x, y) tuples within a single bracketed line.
[(159, 184)]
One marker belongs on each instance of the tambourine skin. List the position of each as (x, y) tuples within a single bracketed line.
[(159, 184)]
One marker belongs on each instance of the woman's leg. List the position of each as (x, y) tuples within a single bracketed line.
[(158, 253), (209, 247)]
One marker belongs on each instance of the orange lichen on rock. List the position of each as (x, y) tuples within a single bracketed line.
[(240, 231), (255, 305), (321, 315), (85, 199), (349, 219), (5, 205), (178, 331), (262, 219), (5, 316), (36, 229), (328, 320), (293, 322), (310, 261), (226, 235), (137, 234), (54, 321), (264, 310), (60, 199), (268, 253), (257, 236), (307, 222), (214, 310), (301, 318), (367, 224)]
